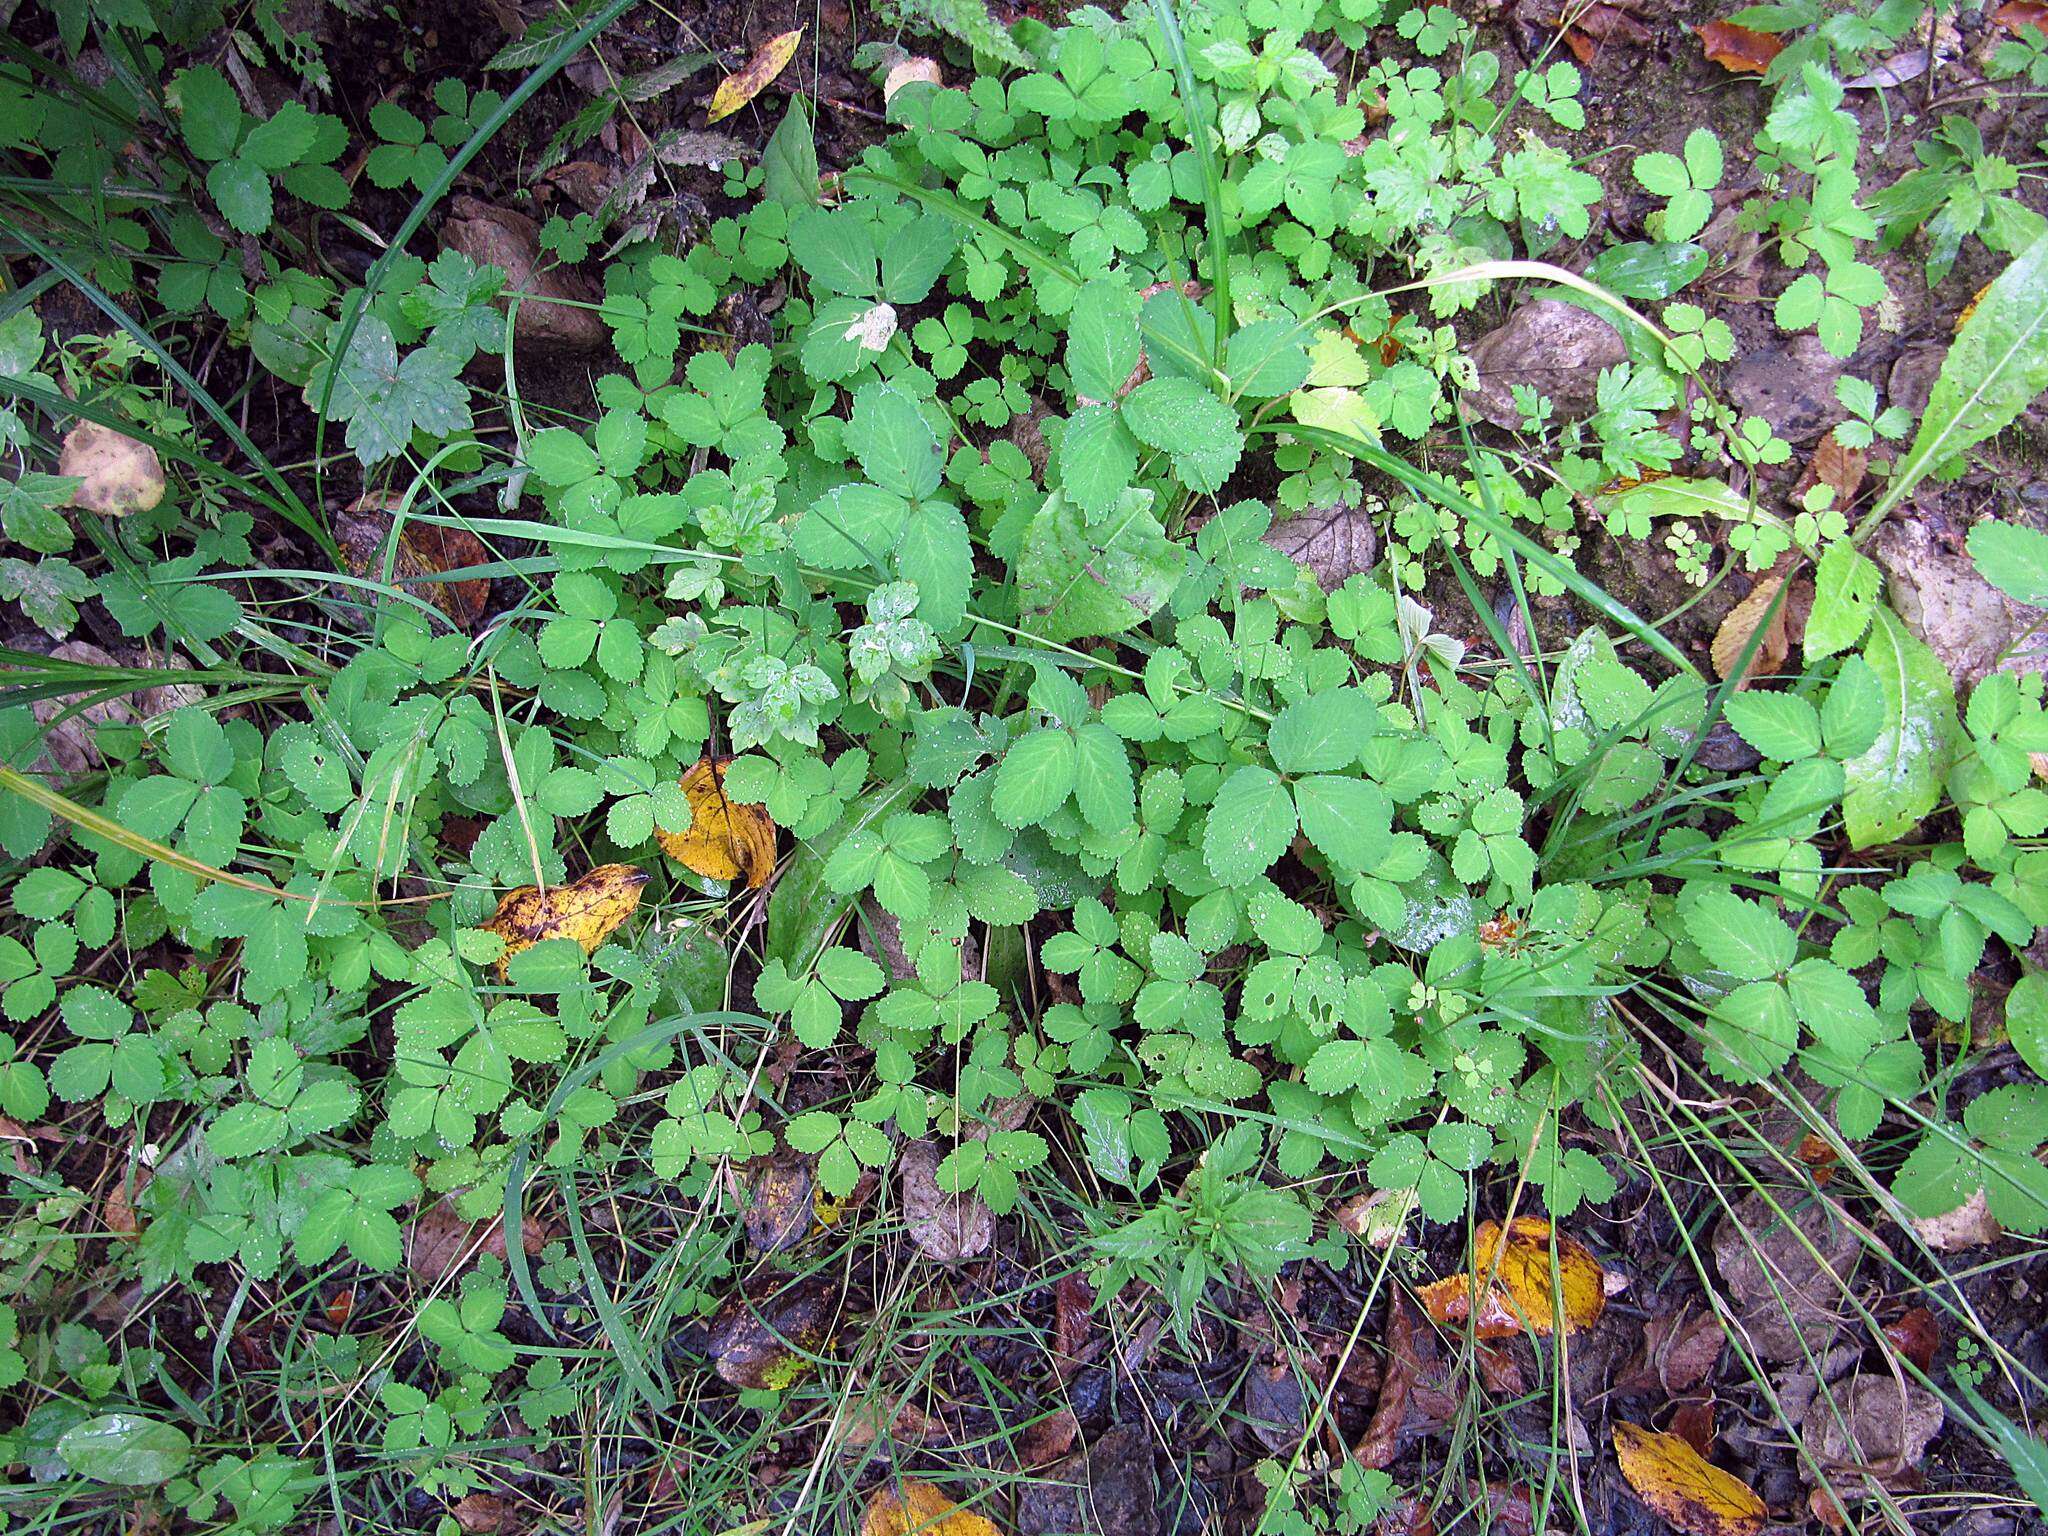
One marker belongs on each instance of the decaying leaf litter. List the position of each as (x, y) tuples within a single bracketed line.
[(1593, 1320)]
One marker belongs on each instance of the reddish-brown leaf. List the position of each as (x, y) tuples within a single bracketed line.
[(1383, 1431), (424, 553), (1694, 1424), (2017, 14), (1915, 1334), (1738, 50)]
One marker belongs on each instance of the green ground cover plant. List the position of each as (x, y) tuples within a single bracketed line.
[(1170, 893)]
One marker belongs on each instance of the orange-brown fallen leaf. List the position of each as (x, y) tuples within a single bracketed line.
[(769, 60), (1683, 1487), (116, 474), (1526, 1289), (1737, 49), (1594, 26), (899, 1509), (586, 910), (1743, 621), (1377, 1447), (724, 840), (2016, 14)]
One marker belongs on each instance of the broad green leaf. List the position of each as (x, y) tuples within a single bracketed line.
[(128, 1449), (1846, 585), (1779, 725), (1994, 370), (889, 436), (1738, 936), (1035, 777), (1103, 787), (2013, 559), (1898, 780), (1080, 575), (1250, 825), (1102, 339), (1190, 425), (1349, 820), (1323, 732), (1097, 458)]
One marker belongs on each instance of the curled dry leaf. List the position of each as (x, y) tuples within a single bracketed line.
[(1381, 1441), (1527, 1290), (1737, 49), (901, 1508), (1680, 1350), (117, 474), (1683, 1487), (946, 1227), (910, 72), (724, 841), (1788, 1280), (586, 910), (439, 1240), (769, 60), (1879, 1425), (425, 551), (1837, 467)]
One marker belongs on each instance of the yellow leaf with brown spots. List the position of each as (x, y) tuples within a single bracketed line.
[(1525, 1289), (910, 1506), (117, 474), (586, 910), (769, 60), (1682, 1486), (725, 841)]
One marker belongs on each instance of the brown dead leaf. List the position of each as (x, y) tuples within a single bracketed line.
[(1742, 622), (780, 1201), (1694, 1424), (1378, 1217), (1680, 1350), (1526, 1290), (438, 1240), (1839, 468), (769, 60), (425, 551), (1595, 26), (1501, 1507), (2016, 15), (118, 1210), (767, 1340), (485, 1514), (118, 474), (1499, 1372), (1044, 1441), (1916, 1335), (909, 1506), (1073, 1321), (1407, 1515), (558, 305), (1877, 1425), (724, 841), (1788, 1280), (1683, 1487), (1334, 542), (586, 910), (945, 1227), (1381, 1442), (1737, 49)]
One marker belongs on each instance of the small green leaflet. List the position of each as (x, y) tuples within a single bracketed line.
[(1898, 780)]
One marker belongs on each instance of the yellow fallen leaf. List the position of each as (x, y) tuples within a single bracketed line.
[(118, 475), (911, 1508), (1683, 1487), (769, 60), (586, 910), (724, 840), (1523, 1283)]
